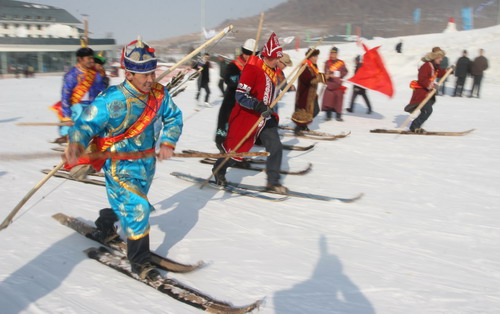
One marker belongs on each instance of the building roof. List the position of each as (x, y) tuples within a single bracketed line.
[(20, 11)]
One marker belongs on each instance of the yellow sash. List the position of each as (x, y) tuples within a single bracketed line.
[(86, 79)]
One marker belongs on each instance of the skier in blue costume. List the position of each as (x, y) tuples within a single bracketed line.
[(81, 85), (130, 117)]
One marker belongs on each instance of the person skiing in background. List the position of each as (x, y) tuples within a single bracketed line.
[(478, 66), (306, 99), (231, 78), (461, 71), (357, 90), (221, 61), (81, 85), (124, 119), (204, 77), (427, 75), (333, 97), (254, 94)]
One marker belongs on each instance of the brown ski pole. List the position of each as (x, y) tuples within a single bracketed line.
[(9, 218), (426, 99)]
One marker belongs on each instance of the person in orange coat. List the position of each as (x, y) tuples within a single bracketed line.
[(427, 74), (333, 97)]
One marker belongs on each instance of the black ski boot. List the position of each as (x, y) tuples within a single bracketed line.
[(106, 230), (139, 255)]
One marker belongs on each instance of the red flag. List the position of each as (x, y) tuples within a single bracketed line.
[(373, 75)]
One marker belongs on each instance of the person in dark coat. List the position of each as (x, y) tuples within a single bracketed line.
[(306, 99), (357, 90), (204, 77), (231, 78), (479, 65), (443, 65), (222, 69), (333, 97), (461, 71), (427, 74)]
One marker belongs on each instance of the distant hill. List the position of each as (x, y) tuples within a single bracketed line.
[(312, 18)]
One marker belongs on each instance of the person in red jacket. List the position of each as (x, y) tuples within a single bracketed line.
[(427, 74), (255, 92), (333, 97)]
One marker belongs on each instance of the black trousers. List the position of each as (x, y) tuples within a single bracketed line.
[(270, 139), (425, 113), (362, 92), (476, 85), (459, 86), (203, 85), (221, 85)]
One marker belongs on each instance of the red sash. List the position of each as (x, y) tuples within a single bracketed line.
[(101, 144)]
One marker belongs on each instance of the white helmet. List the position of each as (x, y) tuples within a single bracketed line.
[(248, 46)]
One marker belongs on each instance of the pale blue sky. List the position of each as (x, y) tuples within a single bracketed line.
[(156, 19)]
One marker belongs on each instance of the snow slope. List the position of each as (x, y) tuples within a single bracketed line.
[(424, 238)]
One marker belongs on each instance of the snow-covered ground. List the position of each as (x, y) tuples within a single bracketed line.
[(424, 238)]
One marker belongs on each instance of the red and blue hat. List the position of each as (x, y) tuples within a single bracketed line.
[(138, 57)]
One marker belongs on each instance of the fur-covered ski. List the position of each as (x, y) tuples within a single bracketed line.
[(171, 287), (232, 189), (263, 189), (423, 133), (65, 175), (118, 244), (247, 165)]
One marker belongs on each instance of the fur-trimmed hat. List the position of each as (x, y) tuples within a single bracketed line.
[(139, 57), (434, 54), (286, 60), (272, 49), (314, 52)]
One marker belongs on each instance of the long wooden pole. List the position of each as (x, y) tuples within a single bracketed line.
[(426, 99), (259, 31), (136, 155), (194, 52), (16, 209)]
